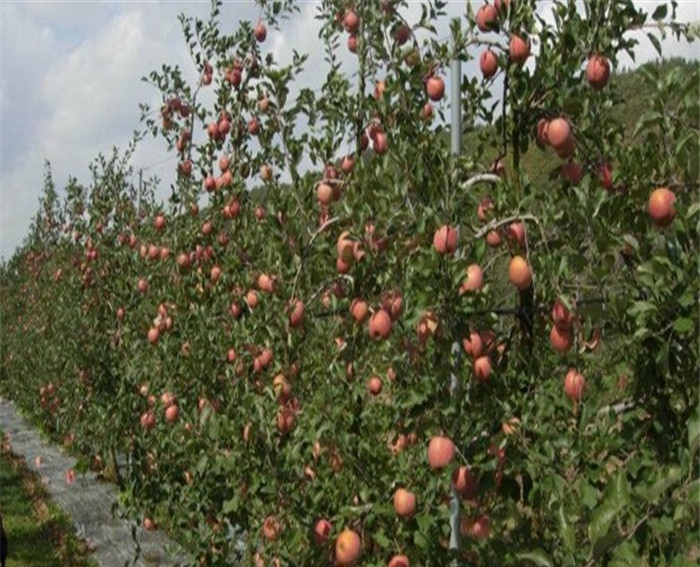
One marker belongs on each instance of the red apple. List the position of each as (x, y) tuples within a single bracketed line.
[(519, 49), (661, 207), (598, 71), (487, 18), (488, 63), (435, 87)]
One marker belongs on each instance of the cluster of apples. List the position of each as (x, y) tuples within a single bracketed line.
[(487, 20)]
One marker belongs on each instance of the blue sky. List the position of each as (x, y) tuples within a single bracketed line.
[(70, 83)]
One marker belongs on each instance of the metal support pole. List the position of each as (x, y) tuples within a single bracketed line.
[(456, 137), (456, 105)]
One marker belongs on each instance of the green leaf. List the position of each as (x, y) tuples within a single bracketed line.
[(420, 540), (566, 530), (600, 522), (231, 505), (655, 42), (381, 539), (694, 493), (694, 432), (616, 497), (666, 478), (660, 12), (537, 557), (683, 325)]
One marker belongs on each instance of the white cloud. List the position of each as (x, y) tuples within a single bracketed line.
[(70, 82)]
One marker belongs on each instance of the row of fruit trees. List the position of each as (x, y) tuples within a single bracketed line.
[(278, 365)]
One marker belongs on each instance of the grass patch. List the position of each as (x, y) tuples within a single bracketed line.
[(39, 534)]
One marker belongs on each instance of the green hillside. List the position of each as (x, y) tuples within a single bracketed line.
[(630, 88)]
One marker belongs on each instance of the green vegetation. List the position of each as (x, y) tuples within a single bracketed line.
[(283, 366), (39, 534)]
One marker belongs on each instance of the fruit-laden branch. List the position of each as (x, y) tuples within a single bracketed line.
[(494, 224), (304, 253)]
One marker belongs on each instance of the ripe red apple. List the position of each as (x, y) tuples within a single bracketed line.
[(404, 503), (322, 531), (402, 34), (352, 43), (488, 63), (399, 561), (143, 285), (572, 172), (296, 317), (149, 524), (474, 280), (542, 137), (465, 483), (519, 273), (324, 194), (224, 126), (153, 335), (348, 164), (266, 283), (435, 87), (493, 238), (574, 385), (519, 49), (392, 303), (473, 345), (558, 132), (598, 71), (380, 325), (286, 419), (516, 233), (380, 143), (271, 528), (661, 206), (251, 298), (561, 339), (183, 260), (282, 388), (253, 126), (171, 413), (441, 451), (483, 211), (347, 547), (605, 177), (159, 223), (148, 420), (426, 327), (260, 32), (445, 240), (487, 18), (168, 398), (359, 310), (374, 385), (480, 528), (351, 22), (482, 368), (561, 316)]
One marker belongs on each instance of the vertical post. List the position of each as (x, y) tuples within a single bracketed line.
[(456, 105), (138, 202), (456, 146)]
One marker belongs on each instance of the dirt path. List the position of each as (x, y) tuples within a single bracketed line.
[(88, 502)]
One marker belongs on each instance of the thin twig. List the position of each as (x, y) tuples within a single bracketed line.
[(323, 227)]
